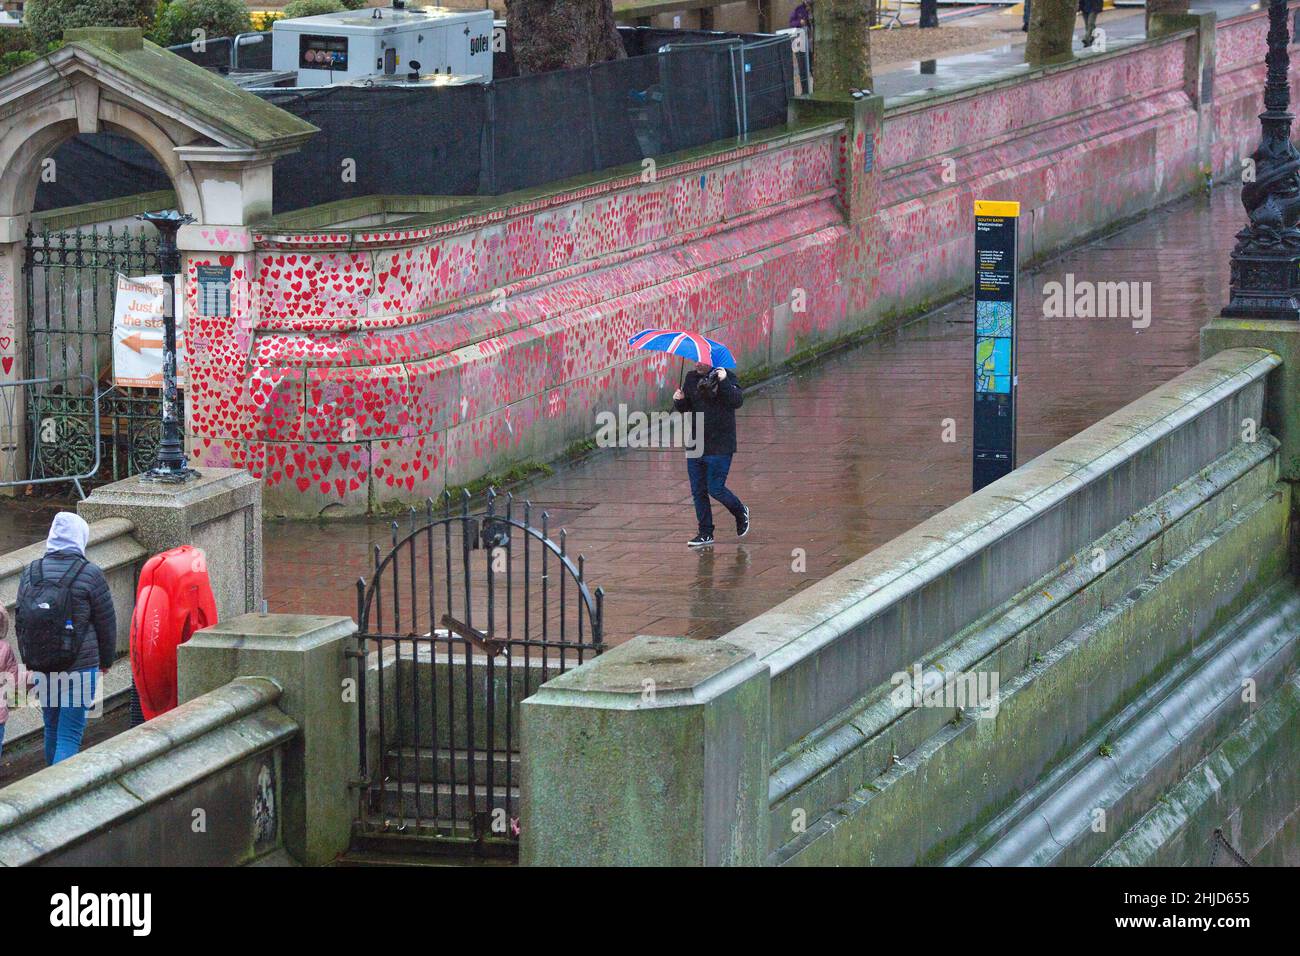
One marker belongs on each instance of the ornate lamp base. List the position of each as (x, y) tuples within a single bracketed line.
[(170, 476), (1265, 286)]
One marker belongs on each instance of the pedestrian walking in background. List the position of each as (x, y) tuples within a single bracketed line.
[(715, 395), (67, 632), (1089, 9), (801, 18)]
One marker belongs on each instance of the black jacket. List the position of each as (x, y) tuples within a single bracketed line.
[(92, 607), (719, 411)]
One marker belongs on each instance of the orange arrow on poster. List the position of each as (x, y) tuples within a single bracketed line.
[(137, 342)]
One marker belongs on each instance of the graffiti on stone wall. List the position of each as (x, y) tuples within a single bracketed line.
[(387, 365)]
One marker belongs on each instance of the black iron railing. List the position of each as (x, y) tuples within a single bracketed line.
[(465, 616), (71, 282)]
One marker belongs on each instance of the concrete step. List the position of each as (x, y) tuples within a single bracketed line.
[(356, 858), (417, 764), (405, 800), (417, 845)]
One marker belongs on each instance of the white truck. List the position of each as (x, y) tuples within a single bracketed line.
[(336, 48)]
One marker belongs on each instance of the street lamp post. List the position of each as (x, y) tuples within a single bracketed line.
[(170, 465), (1265, 280)]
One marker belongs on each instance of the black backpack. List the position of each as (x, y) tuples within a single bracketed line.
[(47, 636)]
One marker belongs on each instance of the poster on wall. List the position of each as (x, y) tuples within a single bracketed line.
[(214, 290), (995, 341), (138, 333)]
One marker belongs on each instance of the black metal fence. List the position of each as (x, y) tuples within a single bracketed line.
[(248, 51), (524, 131), (464, 617), (71, 285)]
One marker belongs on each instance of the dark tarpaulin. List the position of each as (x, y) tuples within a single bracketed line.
[(594, 118), (418, 142), (625, 98), (525, 131), (700, 90), (769, 83), (94, 167), (553, 113), (212, 53)]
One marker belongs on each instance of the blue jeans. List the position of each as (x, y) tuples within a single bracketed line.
[(64, 700), (708, 475), (2, 738)]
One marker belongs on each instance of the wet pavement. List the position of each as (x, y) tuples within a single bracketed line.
[(838, 458), (834, 460), (1122, 25)]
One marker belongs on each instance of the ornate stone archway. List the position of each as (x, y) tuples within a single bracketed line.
[(215, 141)]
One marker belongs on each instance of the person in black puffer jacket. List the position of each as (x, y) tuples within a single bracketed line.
[(66, 697)]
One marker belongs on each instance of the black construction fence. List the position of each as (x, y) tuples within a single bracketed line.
[(248, 51), (675, 90)]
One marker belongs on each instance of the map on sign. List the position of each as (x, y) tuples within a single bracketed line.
[(993, 347), (138, 333)]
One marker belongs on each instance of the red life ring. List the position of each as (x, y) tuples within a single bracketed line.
[(173, 600)]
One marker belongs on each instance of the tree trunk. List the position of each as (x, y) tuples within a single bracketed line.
[(841, 47), (1051, 29), (559, 34), (1156, 7)]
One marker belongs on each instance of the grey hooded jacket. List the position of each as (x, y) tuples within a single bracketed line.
[(92, 603)]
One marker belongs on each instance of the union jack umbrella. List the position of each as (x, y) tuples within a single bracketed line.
[(689, 345)]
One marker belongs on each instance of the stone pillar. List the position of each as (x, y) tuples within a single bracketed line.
[(219, 512), (1199, 80), (235, 189), (654, 753), (858, 179), (307, 657), (1282, 400)]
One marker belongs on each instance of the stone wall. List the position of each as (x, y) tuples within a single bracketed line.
[(1110, 597), (199, 786)]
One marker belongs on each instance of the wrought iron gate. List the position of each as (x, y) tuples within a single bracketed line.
[(71, 284), (465, 616)]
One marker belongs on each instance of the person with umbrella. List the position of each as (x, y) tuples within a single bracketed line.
[(714, 394)]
